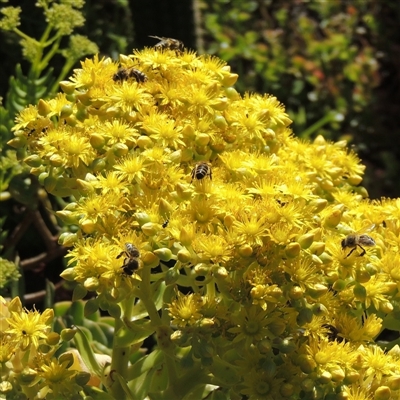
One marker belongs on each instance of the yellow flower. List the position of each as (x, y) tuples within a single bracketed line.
[(251, 325), (58, 380), (186, 309), (28, 327), (131, 168), (7, 348), (356, 331), (117, 132), (251, 228), (357, 392), (302, 271), (212, 247), (93, 71), (259, 384), (376, 363), (129, 96), (111, 183), (27, 116)]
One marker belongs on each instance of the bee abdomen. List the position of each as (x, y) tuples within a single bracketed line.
[(123, 74), (201, 170)]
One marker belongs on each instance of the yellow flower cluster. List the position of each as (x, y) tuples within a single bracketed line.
[(180, 182), (29, 366)]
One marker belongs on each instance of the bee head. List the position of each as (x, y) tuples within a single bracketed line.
[(343, 243)]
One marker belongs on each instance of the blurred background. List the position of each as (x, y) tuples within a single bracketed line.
[(333, 64)]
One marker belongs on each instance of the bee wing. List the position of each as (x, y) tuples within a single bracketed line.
[(365, 229)]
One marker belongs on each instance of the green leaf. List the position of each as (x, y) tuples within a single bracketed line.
[(85, 350)]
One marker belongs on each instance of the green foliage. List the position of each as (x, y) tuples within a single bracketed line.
[(320, 58), (8, 273)]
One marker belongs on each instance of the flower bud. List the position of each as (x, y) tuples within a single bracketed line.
[(56, 160), (386, 307), (186, 237), (67, 87), (150, 228), (333, 219), (202, 139), (88, 226), (171, 276), (319, 309), (325, 258), (164, 254), (305, 316), (68, 274), (220, 272), (120, 149), (220, 122), (85, 188), (318, 205), (150, 260), (296, 292), (144, 142), (98, 165), (27, 376), (184, 256), (245, 250), (97, 141), (201, 269), (317, 290), (33, 161), (229, 79), (220, 104), (176, 157), (217, 147), (68, 334), (360, 292), (292, 250), (114, 310), (394, 382), (188, 132), (317, 248), (52, 338), (355, 179), (17, 142), (67, 239), (231, 93), (337, 374), (339, 285), (324, 378), (184, 193), (229, 138), (164, 208), (362, 276), (286, 389), (66, 110), (90, 284), (82, 378), (383, 393), (306, 240), (43, 108), (306, 363)]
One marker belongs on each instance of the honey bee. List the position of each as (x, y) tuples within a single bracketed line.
[(332, 333), (200, 171), (355, 240), (131, 260), (168, 43), (123, 74)]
